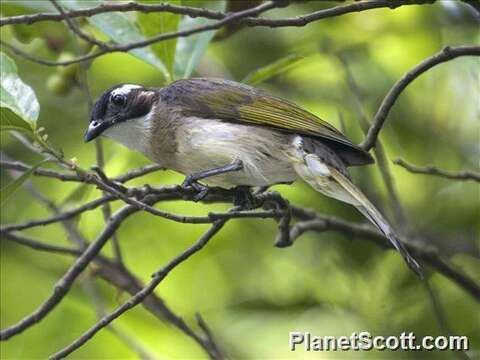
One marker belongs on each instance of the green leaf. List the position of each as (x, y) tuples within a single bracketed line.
[(11, 121), (158, 23), (8, 190), (122, 29), (273, 69), (190, 49), (18, 103)]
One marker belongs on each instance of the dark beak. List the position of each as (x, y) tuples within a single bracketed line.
[(95, 129)]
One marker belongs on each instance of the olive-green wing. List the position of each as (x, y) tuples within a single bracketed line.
[(235, 102)]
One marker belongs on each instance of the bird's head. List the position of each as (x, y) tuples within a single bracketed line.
[(118, 107)]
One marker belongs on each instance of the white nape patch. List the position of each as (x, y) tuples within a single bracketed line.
[(125, 89), (133, 133)]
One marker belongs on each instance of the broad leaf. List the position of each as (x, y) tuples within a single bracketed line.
[(11, 121), (190, 50), (273, 69), (122, 29), (159, 23), (18, 103), (8, 190)]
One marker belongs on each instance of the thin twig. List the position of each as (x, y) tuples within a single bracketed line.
[(114, 7), (64, 215), (432, 170), (141, 295), (446, 54), (123, 280), (312, 222), (215, 15), (63, 285), (98, 303), (17, 165), (229, 19), (247, 17), (76, 30), (132, 174), (299, 21), (34, 244)]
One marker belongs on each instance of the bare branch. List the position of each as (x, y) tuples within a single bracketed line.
[(132, 174), (247, 17), (229, 19), (432, 170), (332, 12), (65, 215), (71, 24), (124, 280), (215, 15), (421, 251), (63, 285), (114, 7), (17, 165), (34, 244), (448, 53), (141, 295)]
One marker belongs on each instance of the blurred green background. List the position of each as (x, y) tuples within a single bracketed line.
[(251, 293)]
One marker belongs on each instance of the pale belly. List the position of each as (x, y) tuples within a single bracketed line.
[(207, 144)]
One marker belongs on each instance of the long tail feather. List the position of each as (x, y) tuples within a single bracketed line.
[(330, 181), (372, 214)]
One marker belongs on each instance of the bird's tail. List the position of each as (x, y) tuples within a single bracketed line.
[(332, 182)]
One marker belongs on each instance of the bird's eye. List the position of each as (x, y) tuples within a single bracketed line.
[(118, 100)]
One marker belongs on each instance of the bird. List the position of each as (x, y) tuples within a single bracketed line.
[(219, 132)]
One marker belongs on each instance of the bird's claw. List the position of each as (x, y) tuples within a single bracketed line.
[(243, 198), (201, 190)]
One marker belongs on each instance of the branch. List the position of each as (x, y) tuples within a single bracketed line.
[(209, 14), (112, 7), (123, 280), (63, 176), (65, 215), (132, 174), (37, 245), (332, 12), (432, 170), (448, 53), (141, 295), (247, 17), (313, 222), (71, 24), (19, 166), (229, 19), (63, 285), (126, 281)]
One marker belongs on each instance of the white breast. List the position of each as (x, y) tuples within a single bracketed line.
[(132, 133)]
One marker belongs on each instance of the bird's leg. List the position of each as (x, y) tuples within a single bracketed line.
[(202, 190), (243, 197)]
